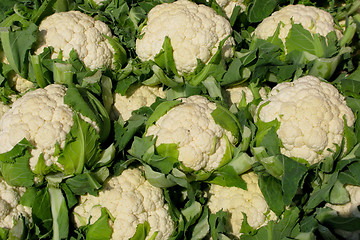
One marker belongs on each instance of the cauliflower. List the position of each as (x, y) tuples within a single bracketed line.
[(19, 83), (135, 98), (236, 94), (131, 200), (10, 207), (40, 116), (3, 108), (311, 114), (311, 18), (349, 209), (75, 30), (195, 32), (202, 143), (229, 5), (236, 201)]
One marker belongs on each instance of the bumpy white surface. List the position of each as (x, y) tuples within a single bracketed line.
[(42, 118), (20, 84), (191, 126), (236, 94), (131, 200), (3, 108), (236, 201), (75, 30), (229, 5), (311, 18), (10, 207), (135, 98), (311, 117), (349, 209), (195, 32)]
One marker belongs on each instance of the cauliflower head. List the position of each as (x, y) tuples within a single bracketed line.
[(311, 18), (229, 5), (195, 32), (236, 201), (42, 117), (131, 200), (349, 209), (65, 31), (201, 142), (236, 94), (311, 114), (10, 207), (135, 98)]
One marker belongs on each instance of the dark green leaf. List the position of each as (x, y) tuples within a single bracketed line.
[(83, 183), (272, 191), (293, 173), (261, 9), (15, 165), (100, 230)]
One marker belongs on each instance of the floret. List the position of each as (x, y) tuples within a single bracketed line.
[(10, 207), (311, 115), (135, 98), (236, 201), (131, 200), (202, 143), (65, 31), (311, 18), (195, 32)]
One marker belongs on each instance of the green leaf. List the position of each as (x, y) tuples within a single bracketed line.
[(142, 231), (261, 9), (41, 211), (120, 55), (100, 230), (192, 212), (293, 173), (16, 46), (158, 179), (15, 165), (266, 136), (4, 233), (339, 194), (201, 229), (321, 193), (272, 191), (214, 68), (213, 87), (161, 77), (59, 212), (233, 74), (19, 230), (82, 101), (302, 40), (226, 176), (28, 198), (327, 217), (123, 135), (83, 183), (81, 147), (218, 224), (165, 58), (227, 120)]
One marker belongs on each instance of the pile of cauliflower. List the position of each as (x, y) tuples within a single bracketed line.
[(311, 117)]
